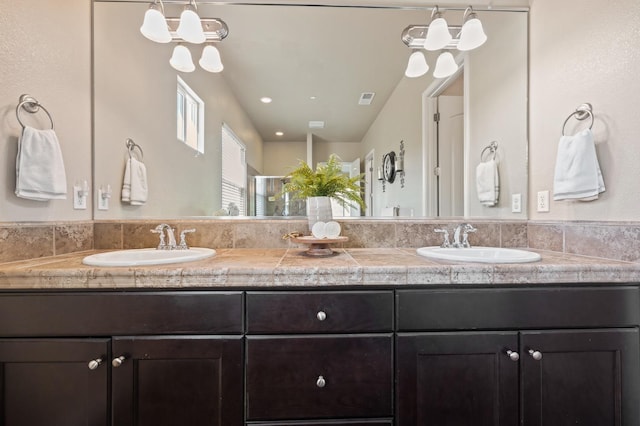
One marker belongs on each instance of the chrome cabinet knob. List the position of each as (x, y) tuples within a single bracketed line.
[(537, 355), (321, 315), (117, 362), (94, 363), (513, 356), (321, 382)]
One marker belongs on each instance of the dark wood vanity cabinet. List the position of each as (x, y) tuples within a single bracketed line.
[(159, 360), (500, 356), (319, 356), (544, 377)]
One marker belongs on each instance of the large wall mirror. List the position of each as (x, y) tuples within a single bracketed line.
[(315, 63)]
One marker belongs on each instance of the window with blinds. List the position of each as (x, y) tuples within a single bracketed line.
[(234, 171), (190, 117)]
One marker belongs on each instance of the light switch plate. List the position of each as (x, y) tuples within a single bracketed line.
[(516, 203), (103, 200), (79, 200)]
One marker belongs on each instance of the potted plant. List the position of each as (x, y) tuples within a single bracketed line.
[(319, 186)]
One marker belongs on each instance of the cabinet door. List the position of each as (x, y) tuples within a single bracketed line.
[(48, 382), (185, 380), (585, 377), (461, 378)]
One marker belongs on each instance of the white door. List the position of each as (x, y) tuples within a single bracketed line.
[(450, 156)]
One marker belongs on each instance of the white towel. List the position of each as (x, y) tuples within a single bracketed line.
[(40, 171), (488, 183), (577, 175), (134, 186)]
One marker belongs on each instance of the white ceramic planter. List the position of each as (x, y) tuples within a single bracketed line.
[(318, 210)]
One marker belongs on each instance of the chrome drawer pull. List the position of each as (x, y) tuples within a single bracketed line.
[(320, 382), (321, 316), (117, 362), (537, 355), (94, 363), (513, 356)]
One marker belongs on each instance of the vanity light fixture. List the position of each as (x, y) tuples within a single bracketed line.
[(417, 65), (190, 28), (154, 27), (445, 65), (210, 60), (438, 35), (181, 59), (472, 34)]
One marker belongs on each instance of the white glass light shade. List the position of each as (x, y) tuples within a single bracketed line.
[(154, 27), (181, 59), (445, 65), (438, 35), (417, 65), (472, 35), (190, 27), (210, 59)]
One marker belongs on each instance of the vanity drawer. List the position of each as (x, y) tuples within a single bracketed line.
[(312, 377), (112, 314), (318, 312), (511, 308)]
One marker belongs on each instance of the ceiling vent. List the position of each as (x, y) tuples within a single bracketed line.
[(316, 124), (366, 98)]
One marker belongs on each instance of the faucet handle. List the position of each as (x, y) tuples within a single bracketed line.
[(468, 228), (445, 242), (162, 244), (183, 242)]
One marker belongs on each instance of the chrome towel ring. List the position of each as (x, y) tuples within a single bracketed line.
[(492, 147), (31, 105), (581, 113), (131, 145)]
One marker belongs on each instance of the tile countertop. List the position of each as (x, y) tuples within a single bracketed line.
[(256, 268)]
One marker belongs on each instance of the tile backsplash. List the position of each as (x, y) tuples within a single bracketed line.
[(613, 240)]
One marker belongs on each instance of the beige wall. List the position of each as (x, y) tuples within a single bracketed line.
[(282, 157), (586, 51), (45, 51)]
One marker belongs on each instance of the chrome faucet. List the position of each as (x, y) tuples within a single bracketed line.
[(465, 228), (164, 228)]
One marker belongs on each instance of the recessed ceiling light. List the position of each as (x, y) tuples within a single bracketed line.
[(313, 98), (279, 133), (266, 100)]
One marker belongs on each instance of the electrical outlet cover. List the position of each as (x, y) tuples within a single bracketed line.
[(543, 201)]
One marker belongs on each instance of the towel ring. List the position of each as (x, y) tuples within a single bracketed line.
[(131, 145), (581, 113), (492, 147), (31, 105)]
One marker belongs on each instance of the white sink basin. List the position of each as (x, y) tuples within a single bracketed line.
[(480, 254), (147, 256)]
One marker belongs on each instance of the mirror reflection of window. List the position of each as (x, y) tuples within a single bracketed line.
[(190, 117), (234, 173)]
